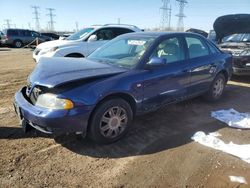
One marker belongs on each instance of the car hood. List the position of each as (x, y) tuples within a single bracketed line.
[(52, 72), (231, 24), (57, 43)]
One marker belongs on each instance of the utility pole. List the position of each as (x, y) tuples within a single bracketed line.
[(36, 16), (165, 14), (169, 18), (51, 20), (181, 15), (29, 26), (7, 23), (119, 21), (77, 29)]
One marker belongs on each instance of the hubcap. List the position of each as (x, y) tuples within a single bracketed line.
[(218, 87), (18, 44), (114, 122)]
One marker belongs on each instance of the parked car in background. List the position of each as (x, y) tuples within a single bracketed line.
[(133, 74), (64, 36), (233, 34), (51, 35), (1, 35), (212, 36), (20, 37), (198, 31), (83, 42)]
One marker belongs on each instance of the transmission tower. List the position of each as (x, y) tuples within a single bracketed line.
[(165, 14), (51, 18), (181, 15), (7, 23), (36, 16)]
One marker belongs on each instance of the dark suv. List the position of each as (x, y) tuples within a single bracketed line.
[(20, 37)]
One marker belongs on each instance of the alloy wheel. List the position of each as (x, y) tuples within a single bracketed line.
[(113, 122)]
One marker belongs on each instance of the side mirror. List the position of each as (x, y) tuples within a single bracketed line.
[(156, 62), (92, 38)]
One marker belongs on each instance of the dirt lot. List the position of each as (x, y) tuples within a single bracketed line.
[(158, 151)]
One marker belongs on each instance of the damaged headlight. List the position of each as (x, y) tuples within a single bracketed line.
[(51, 101), (48, 50), (245, 53)]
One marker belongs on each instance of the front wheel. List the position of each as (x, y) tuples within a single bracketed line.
[(216, 89), (110, 121)]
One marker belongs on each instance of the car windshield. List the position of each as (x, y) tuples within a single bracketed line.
[(243, 37), (80, 34), (123, 52)]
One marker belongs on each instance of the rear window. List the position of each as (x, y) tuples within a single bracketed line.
[(196, 47), (120, 31), (4, 31), (213, 49), (13, 32)]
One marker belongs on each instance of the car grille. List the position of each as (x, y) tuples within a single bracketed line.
[(33, 94)]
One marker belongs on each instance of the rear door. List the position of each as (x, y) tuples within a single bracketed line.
[(169, 83), (201, 64)]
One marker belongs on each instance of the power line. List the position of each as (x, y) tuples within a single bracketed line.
[(165, 14), (51, 20), (36, 16), (181, 15)]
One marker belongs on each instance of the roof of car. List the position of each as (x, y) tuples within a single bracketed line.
[(128, 26), (157, 34)]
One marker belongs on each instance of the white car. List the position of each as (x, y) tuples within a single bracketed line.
[(83, 42)]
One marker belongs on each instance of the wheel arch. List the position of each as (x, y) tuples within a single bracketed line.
[(224, 73), (125, 96), (74, 54)]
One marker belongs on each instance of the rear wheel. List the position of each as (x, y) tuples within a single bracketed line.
[(110, 121), (216, 89), (17, 44)]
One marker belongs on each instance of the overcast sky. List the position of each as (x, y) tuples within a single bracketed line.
[(143, 13)]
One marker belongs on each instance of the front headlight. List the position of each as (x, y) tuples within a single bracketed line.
[(48, 50), (51, 101)]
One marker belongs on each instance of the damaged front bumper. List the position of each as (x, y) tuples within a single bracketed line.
[(51, 121)]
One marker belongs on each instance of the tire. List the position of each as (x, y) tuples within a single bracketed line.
[(216, 89), (110, 121), (17, 44)]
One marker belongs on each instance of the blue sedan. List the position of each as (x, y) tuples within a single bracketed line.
[(135, 73)]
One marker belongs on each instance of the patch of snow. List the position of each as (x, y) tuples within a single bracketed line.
[(233, 118), (238, 179), (241, 151)]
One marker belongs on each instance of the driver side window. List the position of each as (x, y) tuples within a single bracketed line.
[(169, 49)]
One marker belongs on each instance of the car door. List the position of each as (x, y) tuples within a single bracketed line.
[(163, 85), (201, 64), (103, 35)]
